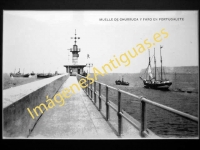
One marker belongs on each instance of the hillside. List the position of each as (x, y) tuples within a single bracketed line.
[(181, 69)]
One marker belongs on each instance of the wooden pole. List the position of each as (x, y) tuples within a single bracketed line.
[(107, 106), (99, 96), (143, 118), (161, 61), (87, 87), (94, 92), (119, 115), (91, 90), (155, 63), (149, 64)]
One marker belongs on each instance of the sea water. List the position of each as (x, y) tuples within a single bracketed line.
[(161, 122)]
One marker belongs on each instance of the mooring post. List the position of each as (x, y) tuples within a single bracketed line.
[(95, 92), (119, 115), (99, 96), (107, 106), (143, 117)]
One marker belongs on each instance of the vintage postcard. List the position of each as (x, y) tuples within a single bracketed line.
[(100, 74)]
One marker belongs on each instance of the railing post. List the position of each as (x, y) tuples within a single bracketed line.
[(143, 118), (85, 85), (88, 88), (107, 106), (99, 96), (95, 92), (91, 91), (119, 115)]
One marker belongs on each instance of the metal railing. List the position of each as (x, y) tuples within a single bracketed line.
[(120, 113)]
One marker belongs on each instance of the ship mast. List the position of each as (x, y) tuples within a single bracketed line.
[(149, 58), (155, 63), (161, 60), (149, 62)]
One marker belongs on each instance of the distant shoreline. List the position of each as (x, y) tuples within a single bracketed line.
[(178, 69), (9, 82)]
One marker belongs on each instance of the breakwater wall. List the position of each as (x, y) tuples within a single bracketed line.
[(17, 122)]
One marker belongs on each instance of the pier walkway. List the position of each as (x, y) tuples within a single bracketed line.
[(79, 118)]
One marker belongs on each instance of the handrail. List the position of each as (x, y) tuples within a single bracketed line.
[(177, 112), (143, 102)]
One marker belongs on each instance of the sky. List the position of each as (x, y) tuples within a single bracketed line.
[(39, 40)]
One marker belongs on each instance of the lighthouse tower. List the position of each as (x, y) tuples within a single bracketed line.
[(75, 50), (74, 67)]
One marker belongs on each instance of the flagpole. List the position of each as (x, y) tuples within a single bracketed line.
[(89, 64)]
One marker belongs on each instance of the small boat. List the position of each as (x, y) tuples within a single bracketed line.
[(51, 75), (32, 73), (152, 81), (26, 75), (42, 75), (119, 82), (124, 83)]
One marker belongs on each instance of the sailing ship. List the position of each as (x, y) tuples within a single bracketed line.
[(152, 81), (121, 82)]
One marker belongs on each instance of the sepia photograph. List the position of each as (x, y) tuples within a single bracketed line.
[(100, 74)]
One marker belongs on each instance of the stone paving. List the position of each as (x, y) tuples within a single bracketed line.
[(79, 118)]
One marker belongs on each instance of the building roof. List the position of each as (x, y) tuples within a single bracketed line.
[(74, 65)]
